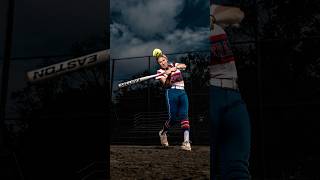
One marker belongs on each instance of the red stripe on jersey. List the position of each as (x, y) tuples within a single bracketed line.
[(220, 50), (185, 126), (219, 37)]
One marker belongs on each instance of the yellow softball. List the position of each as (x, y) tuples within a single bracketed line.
[(157, 52)]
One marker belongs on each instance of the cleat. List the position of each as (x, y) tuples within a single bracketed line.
[(186, 146), (163, 139)]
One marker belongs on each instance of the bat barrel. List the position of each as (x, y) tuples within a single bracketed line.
[(129, 83), (68, 66), (138, 80)]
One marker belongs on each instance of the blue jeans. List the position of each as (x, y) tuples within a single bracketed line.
[(230, 135), (178, 105)]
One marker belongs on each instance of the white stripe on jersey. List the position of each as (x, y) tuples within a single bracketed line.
[(163, 75), (176, 77)]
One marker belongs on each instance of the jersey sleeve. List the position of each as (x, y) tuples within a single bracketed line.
[(161, 76)]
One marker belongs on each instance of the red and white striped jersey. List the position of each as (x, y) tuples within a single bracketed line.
[(176, 77), (222, 63)]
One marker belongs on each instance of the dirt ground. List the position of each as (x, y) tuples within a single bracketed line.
[(154, 162)]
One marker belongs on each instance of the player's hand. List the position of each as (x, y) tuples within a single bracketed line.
[(181, 66), (167, 72), (173, 69)]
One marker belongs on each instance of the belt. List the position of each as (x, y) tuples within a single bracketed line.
[(177, 87), (225, 83)]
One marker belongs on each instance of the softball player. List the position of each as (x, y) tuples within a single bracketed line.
[(176, 98), (230, 124)]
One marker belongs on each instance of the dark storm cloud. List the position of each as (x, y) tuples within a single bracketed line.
[(53, 26), (139, 26), (50, 27)]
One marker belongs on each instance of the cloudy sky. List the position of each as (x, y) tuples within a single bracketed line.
[(50, 27), (139, 26)]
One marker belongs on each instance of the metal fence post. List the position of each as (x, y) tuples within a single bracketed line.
[(5, 70), (149, 94), (112, 76), (260, 93)]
